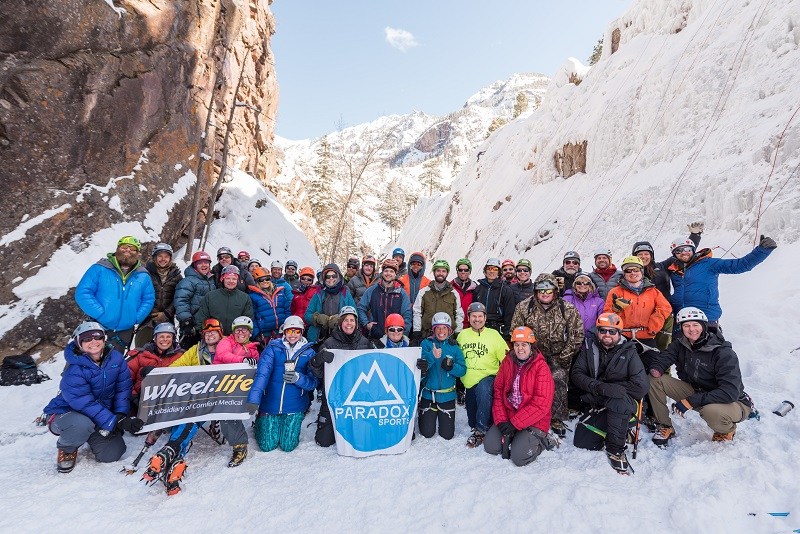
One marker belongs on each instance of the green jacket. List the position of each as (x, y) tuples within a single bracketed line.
[(225, 306)]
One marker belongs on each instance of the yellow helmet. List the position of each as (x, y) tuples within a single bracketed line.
[(632, 261)]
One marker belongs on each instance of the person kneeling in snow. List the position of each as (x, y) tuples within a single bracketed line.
[(523, 401), (609, 370), (94, 399), (442, 361), (280, 390), (709, 380)]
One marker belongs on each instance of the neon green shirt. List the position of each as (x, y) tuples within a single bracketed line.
[(483, 352)]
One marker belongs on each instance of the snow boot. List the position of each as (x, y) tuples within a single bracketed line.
[(173, 477), (238, 456), (159, 463), (663, 434), (559, 428), (719, 436), (475, 440), (619, 462), (66, 461)]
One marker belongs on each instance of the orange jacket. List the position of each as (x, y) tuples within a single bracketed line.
[(424, 281), (648, 309)]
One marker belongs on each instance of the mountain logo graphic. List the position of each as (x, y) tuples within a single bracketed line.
[(372, 389)]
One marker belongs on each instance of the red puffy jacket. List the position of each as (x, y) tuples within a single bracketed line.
[(537, 388), (301, 301), (147, 357)]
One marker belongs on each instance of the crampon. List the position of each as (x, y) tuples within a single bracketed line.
[(164, 466)]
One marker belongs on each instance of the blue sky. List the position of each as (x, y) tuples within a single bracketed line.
[(357, 60)]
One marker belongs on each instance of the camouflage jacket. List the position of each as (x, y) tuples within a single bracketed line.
[(558, 328)]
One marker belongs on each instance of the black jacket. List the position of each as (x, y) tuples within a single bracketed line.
[(165, 292), (711, 368), (522, 291), (338, 340), (499, 301), (618, 365), (569, 279)]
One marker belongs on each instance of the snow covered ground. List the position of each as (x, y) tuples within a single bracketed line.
[(693, 486)]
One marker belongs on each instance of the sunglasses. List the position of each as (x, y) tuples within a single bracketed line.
[(495, 269), (608, 331), (307, 278), (571, 262), (241, 329), (395, 329), (508, 269), (681, 250), (629, 271), (331, 276), (94, 336), (262, 279), (293, 331), (463, 270), (545, 291), (582, 283), (523, 270)]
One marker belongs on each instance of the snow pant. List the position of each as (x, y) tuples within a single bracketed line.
[(525, 446), (180, 438), (278, 430), (479, 404), (74, 429), (443, 413), (324, 436), (608, 426), (721, 418), (120, 339), (234, 431)]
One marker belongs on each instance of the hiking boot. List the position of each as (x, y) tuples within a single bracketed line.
[(238, 456), (173, 477), (66, 461), (663, 434), (618, 461), (559, 428), (719, 436), (475, 439), (159, 463)]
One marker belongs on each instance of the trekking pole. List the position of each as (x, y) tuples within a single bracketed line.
[(638, 427)]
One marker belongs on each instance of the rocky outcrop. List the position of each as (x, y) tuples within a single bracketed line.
[(102, 111), (571, 159)]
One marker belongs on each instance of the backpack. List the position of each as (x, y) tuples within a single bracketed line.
[(20, 370)]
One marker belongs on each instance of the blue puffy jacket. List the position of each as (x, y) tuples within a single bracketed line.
[(316, 306), (696, 284), (98, 391), (437, 382), (270, 392), (190, 292), (270, 312), (116, 301)]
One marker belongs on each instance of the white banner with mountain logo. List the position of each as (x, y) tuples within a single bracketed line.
[(373, 395)]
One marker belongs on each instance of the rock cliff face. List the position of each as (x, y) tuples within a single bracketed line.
[(102, 112)]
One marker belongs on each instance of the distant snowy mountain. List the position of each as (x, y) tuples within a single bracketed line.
[(404, 144)]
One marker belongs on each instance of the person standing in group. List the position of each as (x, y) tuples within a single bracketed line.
[(584, 296), (197, 282), (323, 311), (350, 270), (399, 256), (508, 271), (291, 276), (414, 280), (496, 296), (438, 296), (271, 306), (381, 300), (117, 293), (225, 259), (363, 279), (605, 274), (225, 303), (565, 275), (165, 276), (523, 286), (464, 286), (303, 293)]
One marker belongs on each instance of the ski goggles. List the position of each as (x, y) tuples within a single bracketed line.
[(545, 291), (129, 242), (94, 335), (681, 250), (293, 331)]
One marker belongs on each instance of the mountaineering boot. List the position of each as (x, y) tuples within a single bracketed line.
[(475, 440), (159, 463), (173, 477), (663, 434), (619, 462), (238, 456), (719, 436), (559, 428), (66, 461)]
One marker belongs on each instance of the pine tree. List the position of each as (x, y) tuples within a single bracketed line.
[(431, 177), (596, 52), (521, 105), (496, 124)]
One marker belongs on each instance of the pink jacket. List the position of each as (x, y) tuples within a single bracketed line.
[(229, 351)]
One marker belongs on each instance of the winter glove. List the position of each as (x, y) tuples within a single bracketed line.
[(160, 317), (767, 243), (422, 365), (290, 377), (447, 363), (655, 373), (506, 429), (320, 319), (333, 321), (560, 283), (129, 424), (187, 323), (415, 338), (696, 227), (618, 303), (613, 391), (252, 408), (252, 362), (326, 356), (144, 371), (681, 407)]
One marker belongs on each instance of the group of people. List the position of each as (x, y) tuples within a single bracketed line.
[(524, 355)]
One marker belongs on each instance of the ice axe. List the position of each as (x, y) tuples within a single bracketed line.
[(149, 441)]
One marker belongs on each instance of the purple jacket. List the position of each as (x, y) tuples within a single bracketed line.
[(590, 309)]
